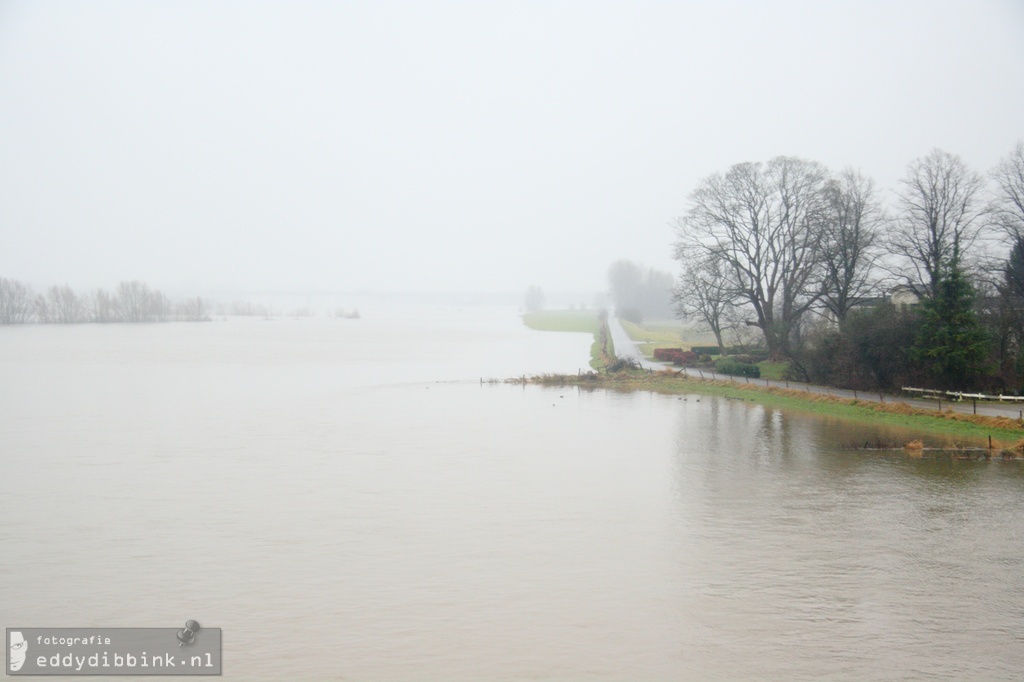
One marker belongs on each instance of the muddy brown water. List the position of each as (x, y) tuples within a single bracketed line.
[(347, 501)]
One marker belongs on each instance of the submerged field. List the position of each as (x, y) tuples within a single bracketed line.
[(463, 530), (585, 321)]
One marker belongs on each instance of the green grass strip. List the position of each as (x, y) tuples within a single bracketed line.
[(1003, 430), (563, 321)]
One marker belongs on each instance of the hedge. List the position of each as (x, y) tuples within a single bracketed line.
[(676, 356), (740, 369)]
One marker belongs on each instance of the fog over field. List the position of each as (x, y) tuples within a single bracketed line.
[(211, 148)]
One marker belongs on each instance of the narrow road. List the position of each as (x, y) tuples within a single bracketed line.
[(625, 347)]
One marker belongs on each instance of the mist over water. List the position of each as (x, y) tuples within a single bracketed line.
[(346, 500), (352, 499)]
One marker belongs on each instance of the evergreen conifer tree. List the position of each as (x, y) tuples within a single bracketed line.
[(952, 344)]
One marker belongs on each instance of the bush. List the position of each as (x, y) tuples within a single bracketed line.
[(687, 359), (740, 369), (676, 356), (623, 364), (870, 350), (667, 354), (740, 350), (707, 350), (748, 359)]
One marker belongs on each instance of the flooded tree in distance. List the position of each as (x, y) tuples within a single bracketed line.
[(61, 305), (15, 302)]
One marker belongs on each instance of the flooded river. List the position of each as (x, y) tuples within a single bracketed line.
[(348, 501)]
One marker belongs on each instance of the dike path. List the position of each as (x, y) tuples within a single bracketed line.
[(625, 347)]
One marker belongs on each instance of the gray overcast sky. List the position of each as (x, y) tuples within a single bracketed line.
[(452, 146)]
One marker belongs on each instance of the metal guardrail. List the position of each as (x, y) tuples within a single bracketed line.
[(958, 395)]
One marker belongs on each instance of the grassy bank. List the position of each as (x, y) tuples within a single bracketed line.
[(585, 321), (650, 336), (1005, 432)]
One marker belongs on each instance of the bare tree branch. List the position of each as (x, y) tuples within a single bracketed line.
[(939, 216), (850, 225)]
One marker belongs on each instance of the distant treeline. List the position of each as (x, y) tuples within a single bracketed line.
[(130, 302), (249, 309)]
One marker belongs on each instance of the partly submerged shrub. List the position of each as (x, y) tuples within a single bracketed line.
[(623, 364)]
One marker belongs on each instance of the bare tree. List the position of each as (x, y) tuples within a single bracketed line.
[(657, 294), (41, 307), (850, 225), (760, 222), (1008, 207), (534, 298), (158, 306), (625, 280), (637, 291), (63, 305), (939, 214), (195, 310), (132, 301), (15, 302), (703, 294), (103, 308)]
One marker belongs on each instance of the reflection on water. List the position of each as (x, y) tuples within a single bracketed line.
[(835, 556), (314, 491)]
